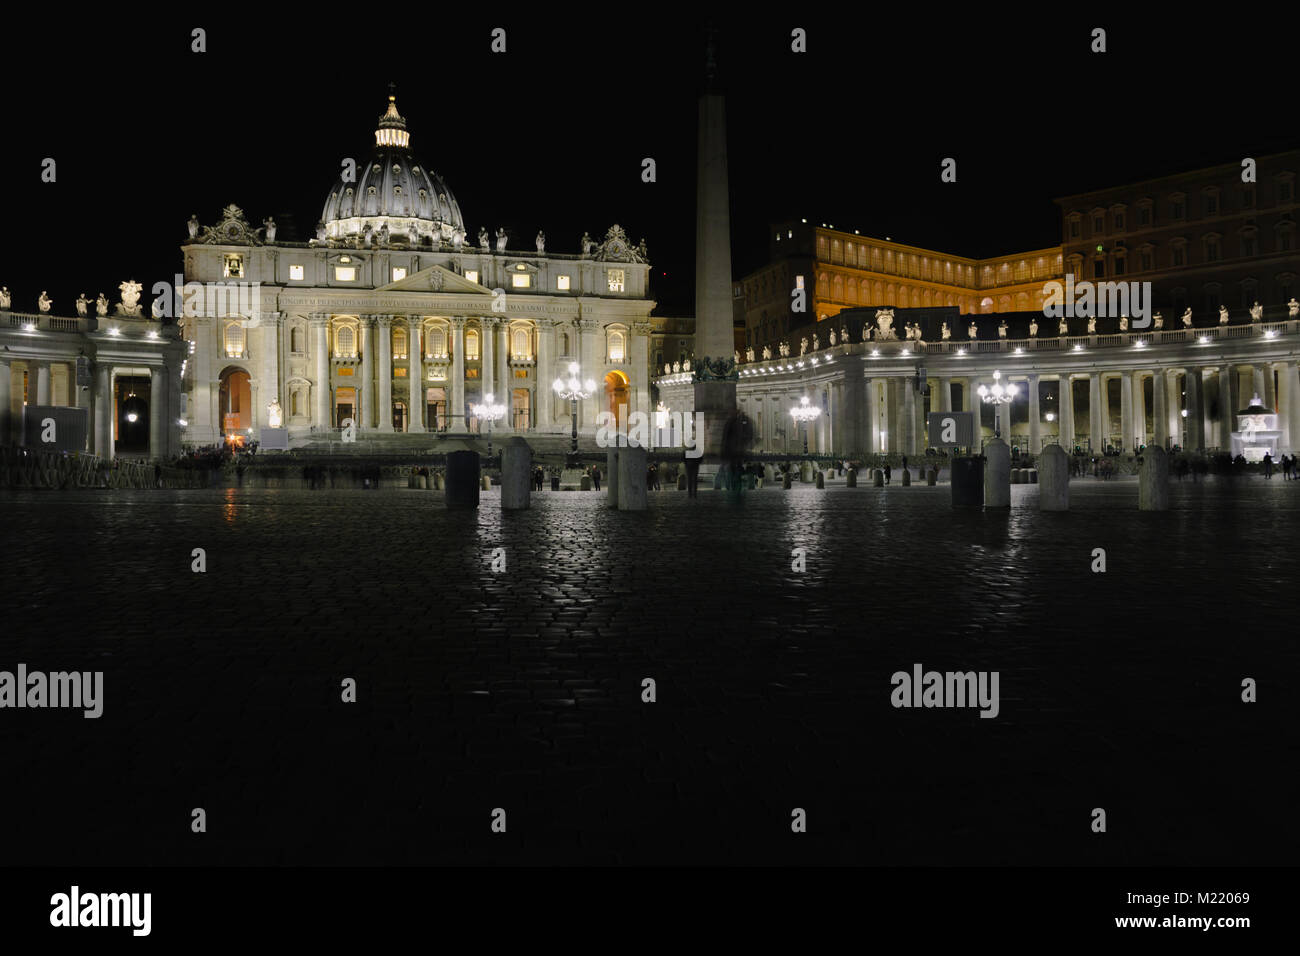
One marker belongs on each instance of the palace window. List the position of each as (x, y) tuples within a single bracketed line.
[(615, 277), (345, 342), (234, 340), (295, 273), (521, 280), (471, 346), (564, 343), (1179, 252), (1178, 207), (234, 267), (471, 275), (296, 337), (562, 283), (1098, 225), (1249, 243), (399, 343), (1211, 203), (1285, 232), (616, 346), (436, 343), (1147, 260), (1144, 214), (1284, 191), (345, 273), (519, 346), (1212, 249), (398, 273)]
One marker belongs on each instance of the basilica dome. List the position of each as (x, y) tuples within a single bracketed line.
[(392, 190)]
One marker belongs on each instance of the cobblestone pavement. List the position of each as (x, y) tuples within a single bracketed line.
[(522, 690)]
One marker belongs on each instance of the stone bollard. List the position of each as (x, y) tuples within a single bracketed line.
[(932, 476), (1153, 480), (821, 480), (681, 482), (997, 474), (1031, 476), (769, 472), (851, 478), (878, 478), (439, 482), (410, 480), (785, 481), (462, 479), (585, 484), (516, 475), (967, 482), (555, 482), (907, 478), (487, 483), (1054, 483), (805, 471), (421, 481), (611, 474), (631, 479)]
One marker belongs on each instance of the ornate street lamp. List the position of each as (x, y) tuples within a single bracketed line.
[(803, 413), (572, 390), (490, 413), (997, 395)]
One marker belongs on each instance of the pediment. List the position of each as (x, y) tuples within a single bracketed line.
[(435, 279)]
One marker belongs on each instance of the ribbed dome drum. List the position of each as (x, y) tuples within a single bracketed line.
[(392, 189)]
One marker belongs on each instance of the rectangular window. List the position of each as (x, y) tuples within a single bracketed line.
[(345, 273), (521, 373), (1248, 246), (1098, 225), (400, 372), (798, 282), (521, 280), (1099, 269), (1180, 256), (1146, 260), (562, 283), (398, 273), (1178, 209), (295, 273), (471, 373), (615, 280), (1144, 216), (471, 275), (1284, 192), (1074, 229), (234, 267), (1211, 205), (1119, 265), (1119, 221)]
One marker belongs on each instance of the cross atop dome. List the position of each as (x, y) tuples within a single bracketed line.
[(392, 127)]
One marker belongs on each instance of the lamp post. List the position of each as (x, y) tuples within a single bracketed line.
[(803, 413), (997, 395), (571, 390), (490, 413)]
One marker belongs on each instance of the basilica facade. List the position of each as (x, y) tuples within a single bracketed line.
[(397, 320)]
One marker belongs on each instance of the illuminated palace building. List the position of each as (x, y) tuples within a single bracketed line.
[(891, 332), (398, 320)]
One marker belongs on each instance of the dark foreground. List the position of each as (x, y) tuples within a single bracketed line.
[(522, 690)]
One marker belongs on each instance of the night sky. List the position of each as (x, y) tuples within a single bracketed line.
[(552, 133)]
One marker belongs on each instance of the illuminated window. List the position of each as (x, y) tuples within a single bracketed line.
[(519, 344), (398, 273), (436, 343), (471, 275), (399, 343), (296, 337), (615, 280), (521, 280), (234, 267), (471, 346), (798, 282), (616, 346), (562, 283), (234, 340), (296, 273), (345, 342), (345, 273)]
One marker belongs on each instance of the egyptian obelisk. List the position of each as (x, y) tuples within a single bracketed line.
[(714, 367)]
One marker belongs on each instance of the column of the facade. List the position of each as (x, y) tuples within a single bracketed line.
[(487, 357), (1290, 421), (545, 374), (1159, 414), (1173, 406), (415, 374), (1097, 414), (42, 381), (1226, 408), (1258, 383), (103, 411), (272, 387), (384, 354), (366, 387), (640, 352), (502, 388), (320, 352), (1195, 410), (6, 404), (1066, 431), (873, 416), (456, 414), (1126, 418), (1035, 414), (945, 395), (909, 415), (1269, 394), (157, 412)]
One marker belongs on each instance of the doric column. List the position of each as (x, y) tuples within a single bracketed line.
[(272, 387), (502, 388), (6, 404), (1159, 415), (456, 414), (1035, 440), (319, 322), (546, 374), (1173, 407), (1291, 423), (873, 416), (945, 395), (1097, 414), (1065, 435), (1226, 408), (1126, 423), (366, 387), (487, 354), (415, 372), (1269, 395), (971, 400), (384, 353), (77, 396), (1003, 412), (909, 415), (103, 410), (1195, 410), (157, 412), (640, 361), (42, 382)]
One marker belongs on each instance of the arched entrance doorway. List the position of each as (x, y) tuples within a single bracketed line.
[(617, 394), (235, 411)]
